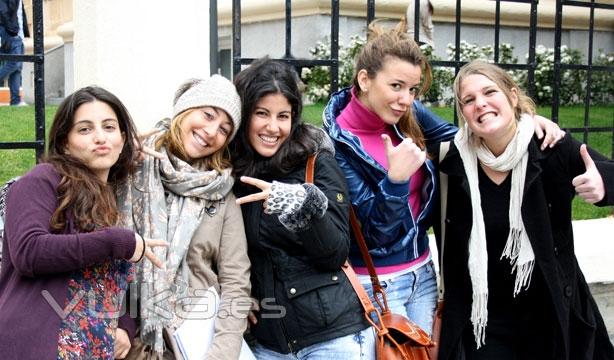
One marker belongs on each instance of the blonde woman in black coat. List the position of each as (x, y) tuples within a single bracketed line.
[(514, 289)]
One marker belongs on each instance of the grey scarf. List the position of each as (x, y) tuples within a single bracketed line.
[(166, 200)]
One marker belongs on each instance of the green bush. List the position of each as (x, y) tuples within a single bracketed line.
[(317, 78), (572, 87)]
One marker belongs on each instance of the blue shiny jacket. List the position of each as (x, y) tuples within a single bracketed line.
[(392, 234)]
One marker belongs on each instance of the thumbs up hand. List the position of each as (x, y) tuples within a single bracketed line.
[(589, 186), (403, 159)]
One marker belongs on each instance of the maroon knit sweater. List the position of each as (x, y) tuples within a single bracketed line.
[(36, 266)]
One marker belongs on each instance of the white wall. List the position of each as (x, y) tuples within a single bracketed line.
[(141, 50)]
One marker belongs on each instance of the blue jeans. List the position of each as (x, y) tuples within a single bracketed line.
[(413, 294), (11, 70), (360, 345)]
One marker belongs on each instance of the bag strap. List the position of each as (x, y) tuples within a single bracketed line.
[(365, 301), (378, 291), (310, 168), (443, 199)]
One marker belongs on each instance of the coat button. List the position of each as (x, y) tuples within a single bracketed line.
[(447, 221), (334, 278), (292, 291), (294, 342), (568, 291), (556, 250)]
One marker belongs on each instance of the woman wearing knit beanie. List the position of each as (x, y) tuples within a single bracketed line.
[(300, 238), (184, 196)]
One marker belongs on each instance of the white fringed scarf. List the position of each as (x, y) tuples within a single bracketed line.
[(517, 248)]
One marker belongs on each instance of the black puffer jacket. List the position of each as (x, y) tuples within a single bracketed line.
[(304, 296)]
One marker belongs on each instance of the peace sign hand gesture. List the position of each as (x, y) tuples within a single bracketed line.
[(403, 160), (262, 185), (144, 150)]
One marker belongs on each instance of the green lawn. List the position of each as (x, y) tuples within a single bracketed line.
[(17, 124)]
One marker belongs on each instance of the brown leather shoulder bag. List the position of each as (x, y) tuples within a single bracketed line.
[(397, 336)]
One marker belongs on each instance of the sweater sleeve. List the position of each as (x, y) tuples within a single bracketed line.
[(34, 249), (434, 128), (233, 277)]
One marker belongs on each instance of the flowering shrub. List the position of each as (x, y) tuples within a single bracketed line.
[(571, 80), (572, 89), (469, 52), (317, 78), (602, 86), (443, 77)]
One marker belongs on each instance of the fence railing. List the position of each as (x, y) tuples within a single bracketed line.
[(38, 58), (530, 66)]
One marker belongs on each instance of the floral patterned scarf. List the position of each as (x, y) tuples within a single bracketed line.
[(165, 200)]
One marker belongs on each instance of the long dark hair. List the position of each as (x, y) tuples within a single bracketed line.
[(90, 200), (265, 77)]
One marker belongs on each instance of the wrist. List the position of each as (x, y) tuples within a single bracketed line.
[(143, 251), (398, 189)]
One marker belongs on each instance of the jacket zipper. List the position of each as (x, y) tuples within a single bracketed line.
[(284, 330)]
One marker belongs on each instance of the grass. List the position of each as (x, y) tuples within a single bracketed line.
[(17, 124), (572, 116)]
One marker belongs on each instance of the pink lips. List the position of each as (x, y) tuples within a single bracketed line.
[(102, 150), (398, 113)]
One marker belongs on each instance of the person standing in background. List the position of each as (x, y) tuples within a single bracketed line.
[(425, 34), (13, 29)]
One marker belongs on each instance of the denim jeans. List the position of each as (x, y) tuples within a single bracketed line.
[(413, 294), (360, 345), (11, 70)]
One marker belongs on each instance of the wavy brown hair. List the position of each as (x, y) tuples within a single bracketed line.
[(90, 201), (394, 43)]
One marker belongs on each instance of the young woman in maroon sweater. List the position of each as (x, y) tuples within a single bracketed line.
[(64, 262)]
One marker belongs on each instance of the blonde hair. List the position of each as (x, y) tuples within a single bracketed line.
[(501, 78), (173, 142), (394, 43)]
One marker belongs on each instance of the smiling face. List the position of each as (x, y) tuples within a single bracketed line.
[(270, 124), (95, 137), (204, 131), (486, 108), (391, 92)]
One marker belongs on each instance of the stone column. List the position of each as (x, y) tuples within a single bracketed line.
[(141, 50), (67, 32)]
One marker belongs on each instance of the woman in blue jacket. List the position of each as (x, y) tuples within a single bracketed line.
[(380, 133)]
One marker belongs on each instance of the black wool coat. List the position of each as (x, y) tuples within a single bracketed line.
[(579, 331)]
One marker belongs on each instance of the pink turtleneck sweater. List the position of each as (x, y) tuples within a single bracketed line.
[(369, 127)]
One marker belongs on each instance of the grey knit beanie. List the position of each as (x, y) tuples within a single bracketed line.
[(215, 91)]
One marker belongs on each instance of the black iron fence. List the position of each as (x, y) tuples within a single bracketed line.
[(38, 58), (456, 63)]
